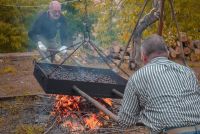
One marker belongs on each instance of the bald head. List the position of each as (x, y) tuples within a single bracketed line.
[(55, 9), (154, 46)]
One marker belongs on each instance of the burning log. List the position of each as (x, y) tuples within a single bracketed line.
[(96, 104)]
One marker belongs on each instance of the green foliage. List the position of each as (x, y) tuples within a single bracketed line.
[(77, 16), (187, 15), (121, 19), (12, 37), (8, 69), (74, 19), (14, 24), (108, 20), (116, 20)]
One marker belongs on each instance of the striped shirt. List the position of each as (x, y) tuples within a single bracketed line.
[(162, 94)]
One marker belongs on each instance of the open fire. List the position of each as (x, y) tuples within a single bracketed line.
[(79, 114)]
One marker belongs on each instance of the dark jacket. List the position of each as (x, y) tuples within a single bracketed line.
[(46, 27)]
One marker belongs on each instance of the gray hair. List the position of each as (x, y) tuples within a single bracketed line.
[(154, 44), (54, 3)]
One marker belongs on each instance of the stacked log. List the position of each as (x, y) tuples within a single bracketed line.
[(116, 52), (191, 49)]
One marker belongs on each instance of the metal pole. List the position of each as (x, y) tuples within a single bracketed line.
[(160, 28), (96, 103), (117, 93), (178, 31), (130, 38)]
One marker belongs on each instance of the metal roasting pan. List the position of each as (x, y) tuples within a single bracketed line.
[(93, 81)]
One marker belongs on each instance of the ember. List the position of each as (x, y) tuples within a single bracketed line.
[(33, 113), (65, 104), (93, 121), (72, 107)]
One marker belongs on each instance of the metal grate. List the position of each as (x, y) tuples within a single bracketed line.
[(95, 82)]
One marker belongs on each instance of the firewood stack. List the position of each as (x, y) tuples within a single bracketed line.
[(116, 51), (191, 49)]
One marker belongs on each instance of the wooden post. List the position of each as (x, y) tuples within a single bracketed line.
[(117, 93), (160, 27), (96, 103)]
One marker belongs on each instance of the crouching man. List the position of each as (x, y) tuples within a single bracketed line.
[(163, 95), (45, 29)]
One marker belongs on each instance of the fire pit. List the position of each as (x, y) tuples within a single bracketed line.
[(59, 114), (60, 79)]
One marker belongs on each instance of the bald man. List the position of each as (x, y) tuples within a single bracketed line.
[(46, 28), (163, 95)]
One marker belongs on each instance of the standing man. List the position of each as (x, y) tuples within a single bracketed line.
[(162, 94), (45, 29)]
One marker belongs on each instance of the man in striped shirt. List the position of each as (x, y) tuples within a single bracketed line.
[(162, 94)]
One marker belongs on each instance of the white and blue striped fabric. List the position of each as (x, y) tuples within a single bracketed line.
[(162, 94)]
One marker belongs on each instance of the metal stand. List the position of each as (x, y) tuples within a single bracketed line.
[(160, 28), (87, 42)]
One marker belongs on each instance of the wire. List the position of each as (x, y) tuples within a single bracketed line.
[(26, 6)]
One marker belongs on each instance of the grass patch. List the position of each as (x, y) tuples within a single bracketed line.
[(29, 129), (8, 69)]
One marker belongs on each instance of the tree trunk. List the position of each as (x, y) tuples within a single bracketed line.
[(146, 21)]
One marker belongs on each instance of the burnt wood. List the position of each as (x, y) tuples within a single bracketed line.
[(93, 81)]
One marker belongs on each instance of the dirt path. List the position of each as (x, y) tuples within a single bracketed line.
[(16, 75)]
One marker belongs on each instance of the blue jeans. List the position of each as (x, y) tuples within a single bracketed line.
[(183, 130)]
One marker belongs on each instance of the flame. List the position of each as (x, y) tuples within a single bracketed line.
[(93, 122), (108, 101), (67, 106), (103, 115), (64, 104)]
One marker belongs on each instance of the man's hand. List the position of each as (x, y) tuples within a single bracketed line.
[(62, 50), (41, 46)]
